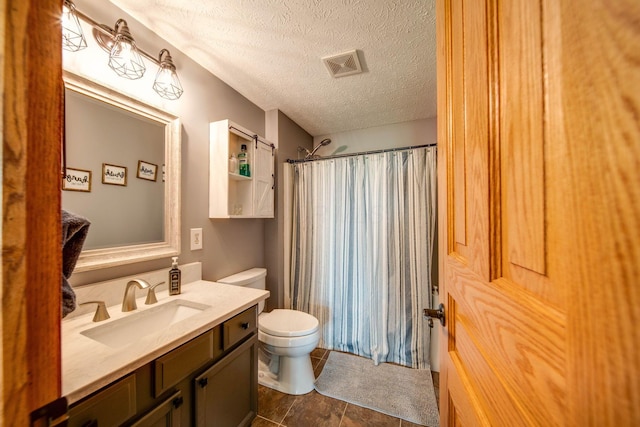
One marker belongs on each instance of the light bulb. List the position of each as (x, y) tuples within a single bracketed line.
[(167, 84), (72, 35), (124, 58)]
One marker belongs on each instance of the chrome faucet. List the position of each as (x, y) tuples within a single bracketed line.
[(129, 301)]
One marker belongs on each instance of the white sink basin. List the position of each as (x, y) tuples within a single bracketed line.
[(137, 325)]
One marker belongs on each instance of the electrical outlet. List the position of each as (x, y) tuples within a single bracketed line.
[(196, 239)]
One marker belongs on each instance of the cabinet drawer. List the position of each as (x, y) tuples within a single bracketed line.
[(110, 407), (171, 368), (239, 327)]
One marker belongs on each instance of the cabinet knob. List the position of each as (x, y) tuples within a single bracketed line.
[(245, 325), (177, 402), (203, 382)]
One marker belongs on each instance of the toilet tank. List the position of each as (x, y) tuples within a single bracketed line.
[(254, 278)]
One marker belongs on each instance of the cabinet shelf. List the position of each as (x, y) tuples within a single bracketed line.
[(232, 195), (238, 177)]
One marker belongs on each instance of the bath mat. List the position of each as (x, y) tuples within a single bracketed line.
[(391, 389)]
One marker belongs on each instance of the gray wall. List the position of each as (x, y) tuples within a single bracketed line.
[(397, 135), (229, 245), (289, 137)]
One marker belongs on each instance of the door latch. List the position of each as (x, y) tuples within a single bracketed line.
[(435, 314)]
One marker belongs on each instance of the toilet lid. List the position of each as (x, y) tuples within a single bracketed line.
[(287, 323)]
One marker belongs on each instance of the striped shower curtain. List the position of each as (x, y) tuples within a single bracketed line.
[(362, 244)]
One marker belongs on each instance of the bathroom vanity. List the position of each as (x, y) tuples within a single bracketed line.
[(199, 370)]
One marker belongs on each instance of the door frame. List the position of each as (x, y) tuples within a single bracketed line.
[(32, 113)]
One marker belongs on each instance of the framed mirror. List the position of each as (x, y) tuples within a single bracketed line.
[(122, 173)]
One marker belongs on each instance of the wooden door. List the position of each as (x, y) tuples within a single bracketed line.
[(32, 114), (539, 209)]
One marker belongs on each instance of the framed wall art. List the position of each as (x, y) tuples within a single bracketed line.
[(77, 180), (114, 174), (147, 170)]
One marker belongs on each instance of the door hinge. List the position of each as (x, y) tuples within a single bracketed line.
[(50, 415)]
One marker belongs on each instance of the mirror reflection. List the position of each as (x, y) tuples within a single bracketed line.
[(122, 161), (127, 209)]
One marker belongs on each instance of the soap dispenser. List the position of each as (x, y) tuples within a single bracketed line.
[(175, 281)]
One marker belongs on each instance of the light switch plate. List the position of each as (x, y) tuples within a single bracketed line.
[(196, 239)]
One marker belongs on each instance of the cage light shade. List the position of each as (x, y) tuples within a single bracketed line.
[(72, 35), (167, 84), (124, 57)]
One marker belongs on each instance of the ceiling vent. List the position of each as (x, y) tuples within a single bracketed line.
[(344, 64)]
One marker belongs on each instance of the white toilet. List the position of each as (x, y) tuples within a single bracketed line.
[(287, 337)]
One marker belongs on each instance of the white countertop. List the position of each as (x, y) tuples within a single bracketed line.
[(88, 365)]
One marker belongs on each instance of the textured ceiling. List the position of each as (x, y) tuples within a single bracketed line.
[(270, 51)]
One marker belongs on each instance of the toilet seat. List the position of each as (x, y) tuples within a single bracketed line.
[(289, 342), (287, 323)]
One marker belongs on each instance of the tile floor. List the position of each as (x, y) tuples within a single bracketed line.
[(316, 410)]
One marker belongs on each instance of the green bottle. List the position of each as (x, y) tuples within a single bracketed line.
[(243, 161)]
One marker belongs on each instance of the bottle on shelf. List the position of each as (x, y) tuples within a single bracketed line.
[(243, 161), (233, 164)]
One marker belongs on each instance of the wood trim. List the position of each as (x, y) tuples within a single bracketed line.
[(31, 262), (446, 241), (495, 154), (3, 37)]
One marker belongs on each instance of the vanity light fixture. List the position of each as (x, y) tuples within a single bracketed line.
[(167, 84), (72, 36), (125, 57)]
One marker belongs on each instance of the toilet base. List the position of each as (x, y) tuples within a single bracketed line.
[(294, 374)]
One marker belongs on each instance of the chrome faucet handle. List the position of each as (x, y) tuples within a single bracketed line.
[(101, 310), (129, 300), (151, 294)]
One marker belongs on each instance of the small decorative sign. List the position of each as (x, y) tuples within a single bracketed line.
[(147, 170), (114, 175), (77, 180)]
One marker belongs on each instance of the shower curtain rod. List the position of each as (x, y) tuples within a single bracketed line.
[(386, 150)]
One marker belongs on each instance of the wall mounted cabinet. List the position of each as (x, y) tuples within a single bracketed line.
[(236, 196)]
